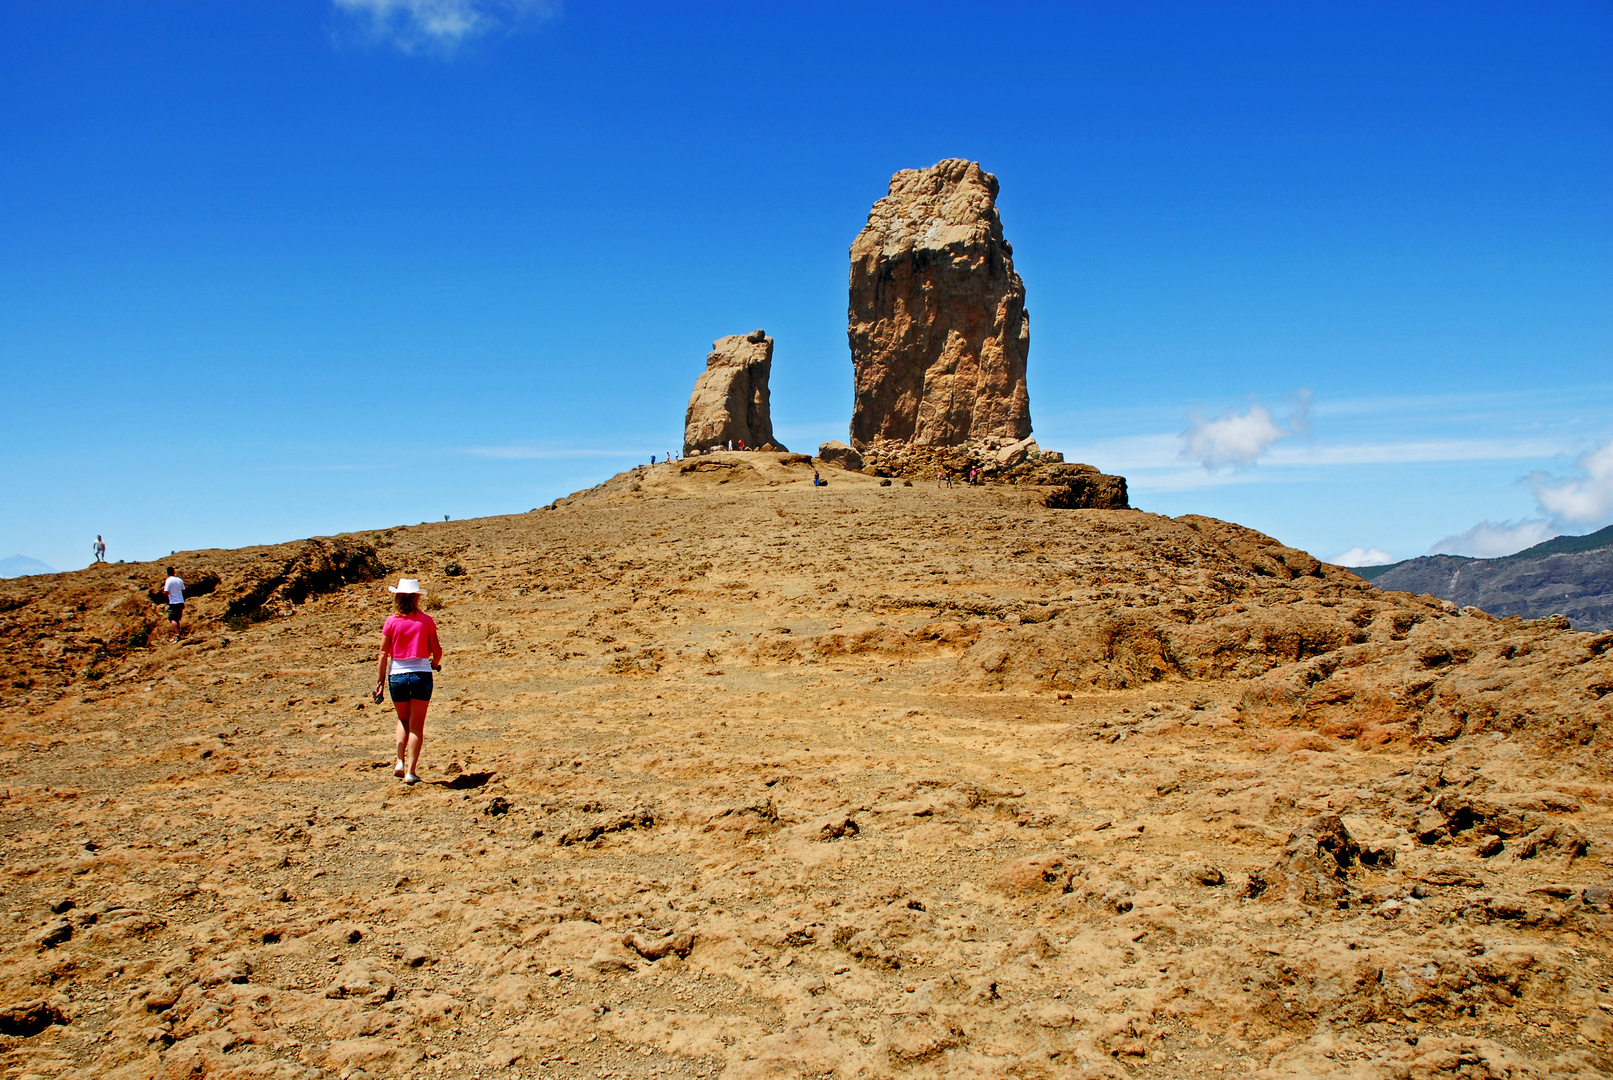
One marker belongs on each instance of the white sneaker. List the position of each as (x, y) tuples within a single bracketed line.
[(411, 779), (398, 770)]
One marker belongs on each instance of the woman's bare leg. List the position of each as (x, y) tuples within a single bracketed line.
[(416, 735), (403, 730)]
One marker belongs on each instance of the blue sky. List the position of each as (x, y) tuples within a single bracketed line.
[(1341, 272)]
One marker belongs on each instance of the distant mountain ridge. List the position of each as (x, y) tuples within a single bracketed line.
[(1566, 575), (1566, 545), (22, 566)]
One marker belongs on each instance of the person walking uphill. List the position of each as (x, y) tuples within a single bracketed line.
[(410, 652), (175, 588)]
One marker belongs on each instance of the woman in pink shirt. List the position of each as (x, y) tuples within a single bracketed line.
[(410, 652)]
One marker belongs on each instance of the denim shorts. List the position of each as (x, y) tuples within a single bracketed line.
[(410, 686)]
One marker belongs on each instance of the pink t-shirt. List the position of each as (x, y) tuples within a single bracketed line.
[(409, 637)]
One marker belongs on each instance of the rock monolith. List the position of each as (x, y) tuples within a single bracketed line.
[(938, 328), (729, 402)]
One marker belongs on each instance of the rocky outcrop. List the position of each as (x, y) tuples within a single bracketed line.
[(939, 337), (290, 573), (1063, 485), (730, 402), (1081, 487), (938, 328), (840, 456)]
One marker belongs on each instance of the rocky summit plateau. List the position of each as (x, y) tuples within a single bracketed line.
[(869, 781)]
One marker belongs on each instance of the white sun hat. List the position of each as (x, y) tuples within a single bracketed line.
[(407, 585)]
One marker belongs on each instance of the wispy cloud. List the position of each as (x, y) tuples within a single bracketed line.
[(1587, 500), (1237, 440), (1566, 505), (1492, 539), (1363, 556), (441, 26)]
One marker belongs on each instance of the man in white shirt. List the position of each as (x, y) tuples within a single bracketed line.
[(175, 589)]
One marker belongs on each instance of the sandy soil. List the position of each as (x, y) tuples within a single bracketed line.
[(731, 776)]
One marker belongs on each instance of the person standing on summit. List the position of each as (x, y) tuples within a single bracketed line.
[(410, 652), (175, 588)]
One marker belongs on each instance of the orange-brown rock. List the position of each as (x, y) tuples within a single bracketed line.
[(1063, 485), (730, 401), (938, 328)]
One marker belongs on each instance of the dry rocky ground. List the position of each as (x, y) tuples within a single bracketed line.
[(728, 775)]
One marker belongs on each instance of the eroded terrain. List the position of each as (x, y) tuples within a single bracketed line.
[(731, 776)]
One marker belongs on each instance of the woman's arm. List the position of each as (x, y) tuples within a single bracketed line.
[(384, 660), (436, 648)]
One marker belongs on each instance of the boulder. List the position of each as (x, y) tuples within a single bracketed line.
[(840, 456), (1315, 864), (938, 328), (1015, 452), (730, 400), (1072, 486)]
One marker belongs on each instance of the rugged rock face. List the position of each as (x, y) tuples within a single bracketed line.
[(730, 397), (938, 328)]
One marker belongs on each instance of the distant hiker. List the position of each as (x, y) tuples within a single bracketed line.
[(815, 481), (99, 547), (652, 459), (410, 652), (175, 589)]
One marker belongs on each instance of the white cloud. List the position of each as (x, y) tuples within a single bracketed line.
[(440, 25), (1492, 539), (1587, 501), (1237, 440), (1363, 556)]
